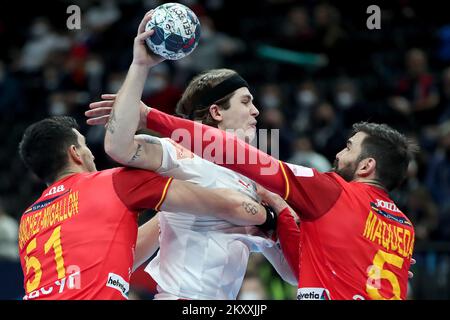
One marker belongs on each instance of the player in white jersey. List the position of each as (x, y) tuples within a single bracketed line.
[(199, 257), (204, 257)]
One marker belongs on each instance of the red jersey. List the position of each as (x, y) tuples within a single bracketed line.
[(77, 240), (354, 243)]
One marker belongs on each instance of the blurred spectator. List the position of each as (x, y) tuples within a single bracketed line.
[(270, 119), (213, 48), (159, 91), (423, 213), (102, 15), (9, 233), (326, 130), (305, 155), (438, 178), (252, 288), (306, 96), (271, 96), (297, 32), (11, 101), (328, 25), (331, 36), (43, 40), (417, 94), (445, 96), (347, 99)]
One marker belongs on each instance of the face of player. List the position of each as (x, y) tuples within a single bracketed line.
[(346, 162), (241, 115), (85, 153)]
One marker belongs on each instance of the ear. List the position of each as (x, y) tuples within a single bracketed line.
[(74, 155), (366, 168), (216, 112)]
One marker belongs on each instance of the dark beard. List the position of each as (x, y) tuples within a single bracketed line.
[(347, 172)]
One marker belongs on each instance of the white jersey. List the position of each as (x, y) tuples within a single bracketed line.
[(205, 257)]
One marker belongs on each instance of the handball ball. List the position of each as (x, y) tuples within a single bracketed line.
[(177, 31)]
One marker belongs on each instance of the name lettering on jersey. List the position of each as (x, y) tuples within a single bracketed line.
[(117, 282), (313, 294), (392, 237), (64, 208)]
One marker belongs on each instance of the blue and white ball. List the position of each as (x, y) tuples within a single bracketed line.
[(177, 31)]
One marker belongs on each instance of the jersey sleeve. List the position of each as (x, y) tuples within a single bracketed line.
[(275, 256), (303, 188), (289, 235), (140, 189), (309, 192), (173, 155)]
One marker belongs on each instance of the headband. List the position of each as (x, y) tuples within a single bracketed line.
[(216, 93)]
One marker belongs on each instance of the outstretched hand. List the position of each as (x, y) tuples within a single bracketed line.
[(270, 198), (100, 110)]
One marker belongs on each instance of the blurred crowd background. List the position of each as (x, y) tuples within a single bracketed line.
[(314, 68)]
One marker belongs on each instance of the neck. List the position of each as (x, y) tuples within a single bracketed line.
[(65, 173), (373, 182)]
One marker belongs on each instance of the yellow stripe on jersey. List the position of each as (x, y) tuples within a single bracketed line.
[(163, 197), (285, 179)]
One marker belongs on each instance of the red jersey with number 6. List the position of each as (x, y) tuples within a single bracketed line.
[(77, 240), (354, 241)]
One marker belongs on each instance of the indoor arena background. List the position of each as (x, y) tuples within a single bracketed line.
[(314, 67)]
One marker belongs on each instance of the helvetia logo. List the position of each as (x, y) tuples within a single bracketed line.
[(117, 282), (313, 294)]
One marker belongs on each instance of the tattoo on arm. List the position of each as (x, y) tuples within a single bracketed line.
[(110, 126), (250, 207), (136, 154), (149, 140)]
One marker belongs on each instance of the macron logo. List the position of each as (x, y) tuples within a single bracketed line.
[(117, 282)]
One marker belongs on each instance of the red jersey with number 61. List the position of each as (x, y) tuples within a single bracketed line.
[(77, 240)]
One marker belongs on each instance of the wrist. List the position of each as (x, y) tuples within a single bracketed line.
[(278, 206), (271, 220), (136, 64)]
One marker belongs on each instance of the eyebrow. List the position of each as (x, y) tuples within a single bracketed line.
[(248, 96)]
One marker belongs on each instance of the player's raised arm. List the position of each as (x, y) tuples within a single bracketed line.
[(303, 188), (120, 141), (144, 189)]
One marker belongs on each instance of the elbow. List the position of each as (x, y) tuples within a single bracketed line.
[(114, 152)]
